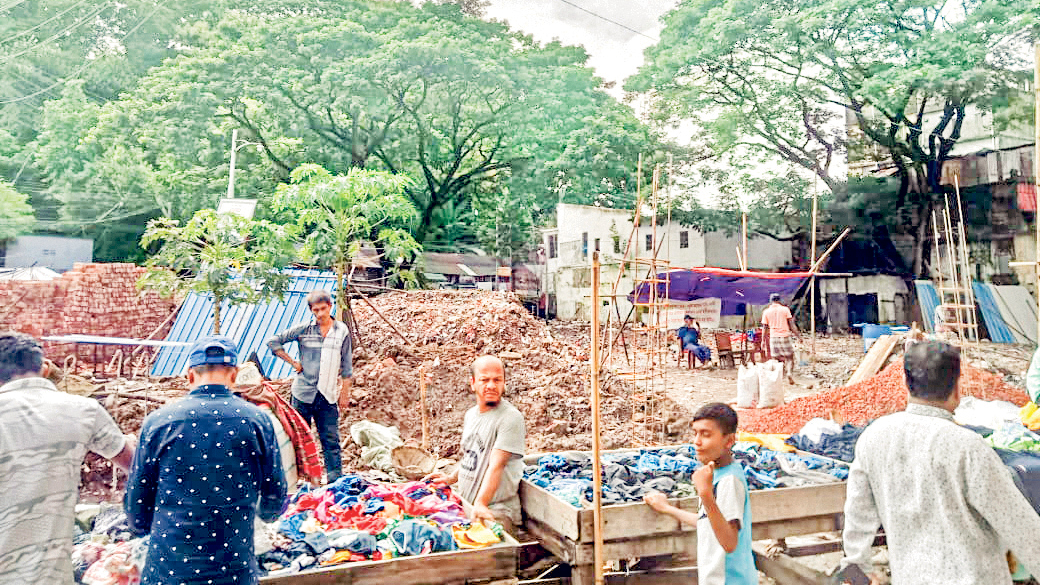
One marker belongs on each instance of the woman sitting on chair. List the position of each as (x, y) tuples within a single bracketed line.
[(689, 341)]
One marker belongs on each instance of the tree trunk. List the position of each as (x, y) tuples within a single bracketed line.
[(216, 315)]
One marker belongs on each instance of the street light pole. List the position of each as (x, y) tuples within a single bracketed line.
[(231, 173), (235, 145)]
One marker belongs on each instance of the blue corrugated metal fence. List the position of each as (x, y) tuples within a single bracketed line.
[(249, 325)]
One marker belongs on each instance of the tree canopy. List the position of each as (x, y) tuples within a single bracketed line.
[(16, 215), (430, 92), (779, 77), (225, 255)]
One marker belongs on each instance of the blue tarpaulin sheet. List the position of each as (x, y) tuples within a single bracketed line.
[(928, 299), (736, 286), (995, 325)]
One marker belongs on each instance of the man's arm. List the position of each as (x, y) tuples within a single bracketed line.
[(277, 344), (726, 531), (125, 458), (141, 486), (488, 487), (346, 371), (991, 491), (861, 518)]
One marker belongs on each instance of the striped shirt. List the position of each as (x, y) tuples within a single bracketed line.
[(44, 435)]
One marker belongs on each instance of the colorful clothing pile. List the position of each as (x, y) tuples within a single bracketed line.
[(353, 519), (349, 520), (629, 475)]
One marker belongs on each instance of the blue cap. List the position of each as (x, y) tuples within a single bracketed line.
[(214, 349)]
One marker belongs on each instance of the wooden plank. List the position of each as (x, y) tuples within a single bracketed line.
[(545, 507), (785, 570), (637, 519), (797, 502), (794, 527), (875, 358), (446, 568), (672, 576)]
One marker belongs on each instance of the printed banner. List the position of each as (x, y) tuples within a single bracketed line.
[(708, 312)]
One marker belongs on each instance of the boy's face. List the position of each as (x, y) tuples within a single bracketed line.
[(709, 440)]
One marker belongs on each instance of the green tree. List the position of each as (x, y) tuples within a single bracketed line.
[(776, 76), (227, 256), (16, 215), (428, 92), (338, 214)]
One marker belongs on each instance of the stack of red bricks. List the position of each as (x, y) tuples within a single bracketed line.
[(90, 299)]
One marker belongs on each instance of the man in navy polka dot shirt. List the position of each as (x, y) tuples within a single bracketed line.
[(206, 465)]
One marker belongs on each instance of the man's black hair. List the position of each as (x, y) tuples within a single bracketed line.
[(932, 369), (20, 355), (722, 414), (203, 369)]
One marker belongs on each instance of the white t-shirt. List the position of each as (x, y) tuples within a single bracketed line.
[(44, 435), (499, 428), (711, 557)]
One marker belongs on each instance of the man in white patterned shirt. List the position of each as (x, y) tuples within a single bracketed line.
[(44, 434), (949, 507)]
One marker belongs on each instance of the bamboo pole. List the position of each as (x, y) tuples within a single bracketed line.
[(740, 259), (965, 265), (597, 476), (743, 222), (812, 279), (385, 320), (1036, 175), (425, 411), (816, 265), (938, 262), (951, 255)]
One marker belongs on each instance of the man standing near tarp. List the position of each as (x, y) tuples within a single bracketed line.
[(779, 327), (493, 436), (322, 386), (44, 434)]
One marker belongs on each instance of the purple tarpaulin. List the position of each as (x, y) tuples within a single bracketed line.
[(735, 286)]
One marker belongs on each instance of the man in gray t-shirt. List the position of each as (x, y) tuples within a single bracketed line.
[(493, 437)]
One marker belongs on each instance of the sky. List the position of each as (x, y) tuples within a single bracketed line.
[(615, 52)]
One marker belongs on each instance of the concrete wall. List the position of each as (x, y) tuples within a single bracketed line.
[(763, 253), (55, 252)]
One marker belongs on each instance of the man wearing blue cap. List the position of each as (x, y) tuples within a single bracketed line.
[(205, 466)]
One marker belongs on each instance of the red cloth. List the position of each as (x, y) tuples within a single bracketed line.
[(308, 464), (1026, 196)]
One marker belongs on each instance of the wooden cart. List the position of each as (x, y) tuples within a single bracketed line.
[(493, 563), (635, 530)]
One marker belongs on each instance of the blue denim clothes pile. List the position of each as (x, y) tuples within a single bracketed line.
[(628, 475), (840, 445)]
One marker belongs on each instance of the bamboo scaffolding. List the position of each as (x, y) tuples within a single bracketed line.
[(597, 498)]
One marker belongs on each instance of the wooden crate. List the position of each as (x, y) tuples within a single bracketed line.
[(635, 530), (496, 562)]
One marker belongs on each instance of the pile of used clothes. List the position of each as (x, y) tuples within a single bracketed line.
[(353, 519), (827, 438), (349, 520), (630, 474), (103, 552)]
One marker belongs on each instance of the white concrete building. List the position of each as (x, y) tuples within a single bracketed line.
[(581, 229)]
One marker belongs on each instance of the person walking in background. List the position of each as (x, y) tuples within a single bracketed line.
[(322, 385), (778, 326)]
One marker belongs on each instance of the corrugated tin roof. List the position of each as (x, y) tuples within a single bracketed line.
[(458, 264), (249, 326), (30, 273)]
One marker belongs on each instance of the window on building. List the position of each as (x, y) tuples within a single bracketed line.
[(552, 246), (617, 244), (584, 244), (684, 239), (649, 242), (595, 245)]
